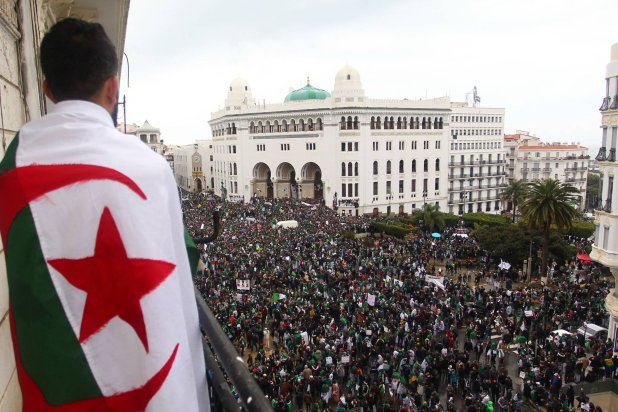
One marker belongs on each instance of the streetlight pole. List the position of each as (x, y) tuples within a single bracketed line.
[(464, 196), (424, 197)]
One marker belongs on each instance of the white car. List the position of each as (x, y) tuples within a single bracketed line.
[(590, 330)]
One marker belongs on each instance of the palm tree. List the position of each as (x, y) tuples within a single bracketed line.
[(549, 202), (432, 218), (514, 193)]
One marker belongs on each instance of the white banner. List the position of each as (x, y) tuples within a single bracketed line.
[(371, 299), (243, 284)]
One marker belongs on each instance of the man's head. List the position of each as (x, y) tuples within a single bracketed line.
[(79, 63)]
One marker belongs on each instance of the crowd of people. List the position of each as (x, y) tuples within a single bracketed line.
[(330, 320)]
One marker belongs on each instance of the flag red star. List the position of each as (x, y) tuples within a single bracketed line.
[(114, 283)]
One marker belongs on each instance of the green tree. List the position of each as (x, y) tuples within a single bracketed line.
[(432, 218), (549, 202), (514, 193)]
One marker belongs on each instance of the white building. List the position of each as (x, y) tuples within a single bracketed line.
[(22, 26), (534, 160), (476, 159), (346, 149), (193, 166), (605, 247)]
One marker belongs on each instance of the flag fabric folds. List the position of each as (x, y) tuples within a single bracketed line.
[(102, 305)]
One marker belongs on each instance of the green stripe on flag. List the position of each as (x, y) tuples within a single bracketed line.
[(8, 162), (48, 347), (194, 254)]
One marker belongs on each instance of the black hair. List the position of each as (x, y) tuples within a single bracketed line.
[(77, 58)]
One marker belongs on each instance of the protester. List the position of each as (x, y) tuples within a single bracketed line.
[(329, 320)]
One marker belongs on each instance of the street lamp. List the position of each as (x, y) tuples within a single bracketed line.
[(424, 197)]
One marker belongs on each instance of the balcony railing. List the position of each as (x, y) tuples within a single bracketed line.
[(223, 361), (614, 103), (602, 155), (604, 104), (612, 155)]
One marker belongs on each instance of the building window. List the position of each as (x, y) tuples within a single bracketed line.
[(402, 145), (356, 189), (425, 185), (356, 146), (375, 146), (401, 186), (437, 144), (401, 166), (389, 145), (437, 165), (425, 165), (436, 185), (413, 187), (425, 144), (388, 187), (349, 168), (388, 167), (343, 190), (260, 148), (342, 169), (285, 146), (375, 188), (356, 169), (343, 146), (375, 168), (414, 166)]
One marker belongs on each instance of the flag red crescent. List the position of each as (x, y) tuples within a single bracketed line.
[(22, 185)]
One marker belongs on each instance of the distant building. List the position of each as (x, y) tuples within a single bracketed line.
[(147, 134), (476, 159), (359, 154), (529, 159), (605, 247)]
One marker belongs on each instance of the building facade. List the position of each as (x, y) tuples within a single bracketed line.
[(605, 247), (22, 26), (360, 154), (476, 159), (533, 160)]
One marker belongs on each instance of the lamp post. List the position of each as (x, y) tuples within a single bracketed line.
[(273, 179), (424, 197), (389, 197)]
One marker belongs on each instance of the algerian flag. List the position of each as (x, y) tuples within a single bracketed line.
[(278, 296), (102, 305)]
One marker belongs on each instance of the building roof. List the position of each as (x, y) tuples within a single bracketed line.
[(554, 147), (512, 136), (307, 93)]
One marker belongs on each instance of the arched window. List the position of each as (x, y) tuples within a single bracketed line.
[(284, 126), (301, 125), (441, 123), (372, 125), (260, 127), (356, 169), (418, 124), (399, 122), (235, 169), (350, 169), (388, 167), (424, 124), (378, 123), (425, 165), (401, 166), (233, 128), (392, 125), (342, 124), (375, 167), (319, 124), (292, 126), (356, 122), (429, 122), (342, 168), (276, 126), (251, 127), (405, 122), (268, 128), (414, 166), (437, 165), (436, 123), (350, 126), (310, 124)]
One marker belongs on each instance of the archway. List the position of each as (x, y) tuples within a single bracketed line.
[(262, 185), (198, 185), (311, 185), (285, 185)]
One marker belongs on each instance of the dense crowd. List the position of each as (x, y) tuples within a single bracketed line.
[(341, 322)]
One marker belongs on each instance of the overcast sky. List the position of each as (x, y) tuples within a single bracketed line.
[(542, 60)]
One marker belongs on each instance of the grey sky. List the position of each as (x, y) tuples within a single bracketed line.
[(542, 60)]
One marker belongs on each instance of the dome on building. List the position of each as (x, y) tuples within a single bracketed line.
[(307, 93), (239, 94), (348, 83)]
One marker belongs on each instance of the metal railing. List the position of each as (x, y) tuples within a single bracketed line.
[(221, 356)]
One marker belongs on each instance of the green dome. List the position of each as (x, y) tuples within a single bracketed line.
[(307, 93)]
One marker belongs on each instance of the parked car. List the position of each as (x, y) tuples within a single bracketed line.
[(590, 330)]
